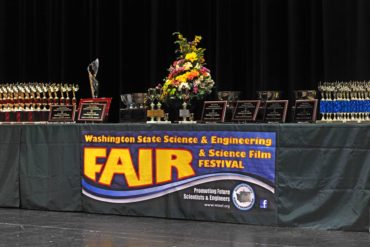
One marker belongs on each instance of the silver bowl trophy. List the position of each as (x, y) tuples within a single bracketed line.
[(184, 113), (133, 100)]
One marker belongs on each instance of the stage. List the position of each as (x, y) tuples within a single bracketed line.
[(322, 173)]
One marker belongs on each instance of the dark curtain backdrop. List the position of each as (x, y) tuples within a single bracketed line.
[(251, 44)]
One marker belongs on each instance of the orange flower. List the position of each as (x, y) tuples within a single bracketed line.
[(192, 74)]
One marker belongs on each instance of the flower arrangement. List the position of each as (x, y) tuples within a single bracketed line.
[(188, 77)]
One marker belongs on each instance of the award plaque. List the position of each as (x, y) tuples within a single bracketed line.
[(214, 111), (105, 101), (246, 110), (275, 111), (91, 112), (62, 113), (305, 110)]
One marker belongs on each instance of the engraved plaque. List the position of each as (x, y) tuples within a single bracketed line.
[(214, 111), (305, 110), (62, 113), (91, 112), (246, 110), (275, 111)]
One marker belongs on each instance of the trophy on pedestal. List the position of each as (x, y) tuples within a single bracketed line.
[(155, 113), (75, 88), (62, 89), (68, 88), (187, 117)]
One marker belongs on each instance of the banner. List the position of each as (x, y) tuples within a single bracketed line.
[(212, 175)]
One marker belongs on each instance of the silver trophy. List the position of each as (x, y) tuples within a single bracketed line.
[(92, 69)]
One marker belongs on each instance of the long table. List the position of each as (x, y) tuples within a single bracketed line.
[(322, 173)]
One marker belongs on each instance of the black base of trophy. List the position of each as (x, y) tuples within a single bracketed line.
[(132, 115), (2, 116)]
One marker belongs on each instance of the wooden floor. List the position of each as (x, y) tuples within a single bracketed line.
[(40, 228)]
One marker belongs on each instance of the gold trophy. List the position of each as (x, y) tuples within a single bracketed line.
[(1, 98), (10, 97), (21, 96), (27, 97), (38, 96), (68, 88), (44, 103), (55, 88), (62, 89), (32, 96), (75, 88)]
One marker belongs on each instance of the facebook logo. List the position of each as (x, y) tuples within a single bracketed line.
[(263, 203)]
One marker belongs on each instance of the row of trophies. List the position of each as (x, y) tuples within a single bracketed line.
[(25, 98), (268, 107), (345, 101)]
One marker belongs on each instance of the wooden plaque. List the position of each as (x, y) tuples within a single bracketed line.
[(91, 112), (106, 101), (62, 113), (275, 111), (214, 111), (305, 110), (246, 110)]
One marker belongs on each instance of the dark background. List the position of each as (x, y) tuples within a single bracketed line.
[(251, 44)]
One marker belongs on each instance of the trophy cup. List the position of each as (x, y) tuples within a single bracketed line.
[(21, 91), (184, 112), (62, 89), (92, 69), (127, 101), (151, 113), (155, 113), (32, 96), (75, 88)]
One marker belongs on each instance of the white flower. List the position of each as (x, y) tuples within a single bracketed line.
[(183, 85), (187, 65)]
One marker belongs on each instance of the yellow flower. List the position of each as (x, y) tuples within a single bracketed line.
[(198, 39), (182, 78), (192, 56)]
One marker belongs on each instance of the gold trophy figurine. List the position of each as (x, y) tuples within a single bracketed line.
[(68, 88), (21, 96), (55, 89), (62, 89), (1, 98), (32, 96), (38, 96), (44, 88), (27, 97), (10, 97)]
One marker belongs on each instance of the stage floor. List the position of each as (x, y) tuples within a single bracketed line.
[(45, 228)]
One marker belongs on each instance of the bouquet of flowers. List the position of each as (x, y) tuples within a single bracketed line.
[(188, 77)]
